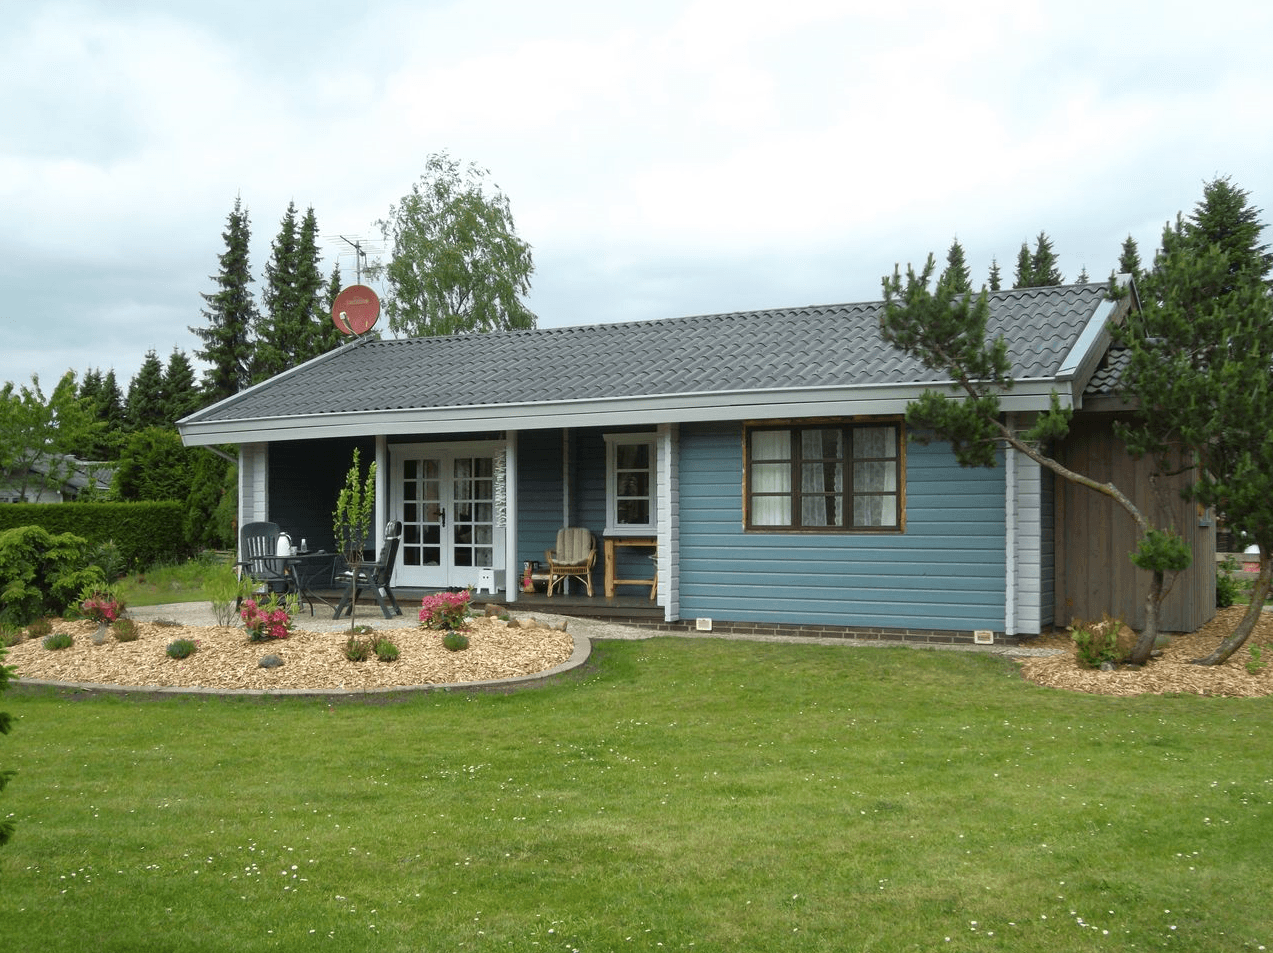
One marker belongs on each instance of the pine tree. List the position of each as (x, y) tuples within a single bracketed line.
[(181, 394), (956, 274), (145, 406), (231, 313), (1200, 352)]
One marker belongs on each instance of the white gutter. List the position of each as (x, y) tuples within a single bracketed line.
[(603, 412)]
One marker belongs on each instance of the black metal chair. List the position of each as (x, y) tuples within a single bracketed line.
[(374, 577), (260, 561)]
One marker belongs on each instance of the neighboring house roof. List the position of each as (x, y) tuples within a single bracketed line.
[(80, 475), (782, 362)]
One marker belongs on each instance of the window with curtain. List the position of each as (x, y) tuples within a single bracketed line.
[(824, 477), (630, 484)]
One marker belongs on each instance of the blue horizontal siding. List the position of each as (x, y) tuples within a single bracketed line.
[(944, 572)]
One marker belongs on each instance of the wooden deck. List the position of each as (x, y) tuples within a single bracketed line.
[(596, 607)]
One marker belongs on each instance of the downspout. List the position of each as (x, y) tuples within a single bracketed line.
[(1010, 538)]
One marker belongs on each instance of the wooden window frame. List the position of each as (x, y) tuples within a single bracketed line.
[(847, 426)]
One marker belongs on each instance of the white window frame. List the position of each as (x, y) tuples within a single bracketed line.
[(613, 442)]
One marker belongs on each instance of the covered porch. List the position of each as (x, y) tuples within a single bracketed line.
[(479, 506)]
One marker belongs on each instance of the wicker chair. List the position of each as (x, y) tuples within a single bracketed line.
[(574, 557)]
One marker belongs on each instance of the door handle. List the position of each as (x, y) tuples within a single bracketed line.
[(442, 515)]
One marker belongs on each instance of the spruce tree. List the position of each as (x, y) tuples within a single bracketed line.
[(231, 313), (956, 275), (180, 392), (1043, 270), (1037, 269), (1129, 259), (294, 326), (146, 395), (995, 281), (1023, 277)]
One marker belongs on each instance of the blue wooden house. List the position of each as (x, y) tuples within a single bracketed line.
[(752, 469)]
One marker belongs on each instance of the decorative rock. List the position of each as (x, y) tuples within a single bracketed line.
[(270, 661), (1108, 667)]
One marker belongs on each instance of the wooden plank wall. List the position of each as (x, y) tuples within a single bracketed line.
[(1094, 537)]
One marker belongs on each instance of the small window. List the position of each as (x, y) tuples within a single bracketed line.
[(824, 477), (630, 484)]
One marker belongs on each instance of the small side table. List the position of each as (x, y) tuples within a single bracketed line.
[(619, 542)]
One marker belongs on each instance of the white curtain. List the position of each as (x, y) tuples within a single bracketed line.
[(771, 478)]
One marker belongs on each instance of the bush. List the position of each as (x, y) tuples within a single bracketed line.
[(41, 574), (455, 641), (1097, 642), (125, 630), (226, 589), (446, 610), (108, 557), (9, 635), (60, 640), (143, 533), (182, 648), (357, 650), (1228, 587), (385, 650), (39, 629), (270, 620)]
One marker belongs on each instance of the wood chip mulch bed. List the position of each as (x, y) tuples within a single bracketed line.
[(225, 659), (1171, 673)]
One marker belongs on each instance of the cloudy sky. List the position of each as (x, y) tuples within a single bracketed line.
[(664, 158)]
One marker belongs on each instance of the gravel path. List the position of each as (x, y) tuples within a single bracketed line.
[(200, 613)]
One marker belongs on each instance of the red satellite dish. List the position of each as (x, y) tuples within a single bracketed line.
[(355, 310)]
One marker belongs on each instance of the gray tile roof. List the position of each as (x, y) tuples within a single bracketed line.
[(829, 346)]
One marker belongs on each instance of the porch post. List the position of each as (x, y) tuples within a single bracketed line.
[(512, 570), (382, 488)]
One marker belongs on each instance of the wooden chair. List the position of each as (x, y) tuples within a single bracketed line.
[(574, 557), (374, 577)]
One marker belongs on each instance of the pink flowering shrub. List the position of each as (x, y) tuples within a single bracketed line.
[(269, 621), (446, 610), (102, 607)]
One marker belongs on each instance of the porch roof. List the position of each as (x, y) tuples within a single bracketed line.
[(807, 361)]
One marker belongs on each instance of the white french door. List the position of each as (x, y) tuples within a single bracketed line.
[(446, 496)]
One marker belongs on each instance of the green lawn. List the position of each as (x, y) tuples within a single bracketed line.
[(678, 795), (182, 582)]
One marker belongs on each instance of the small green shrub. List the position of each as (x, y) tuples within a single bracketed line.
[(125, 630), (1228, 587), (455, 641), (60, 640), (225, 590), (108, 556), (1255, 664), (385, 650), (42, 574), (9, 635), (182, 648), (1096, 642), (39, 628), (357, 650)]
